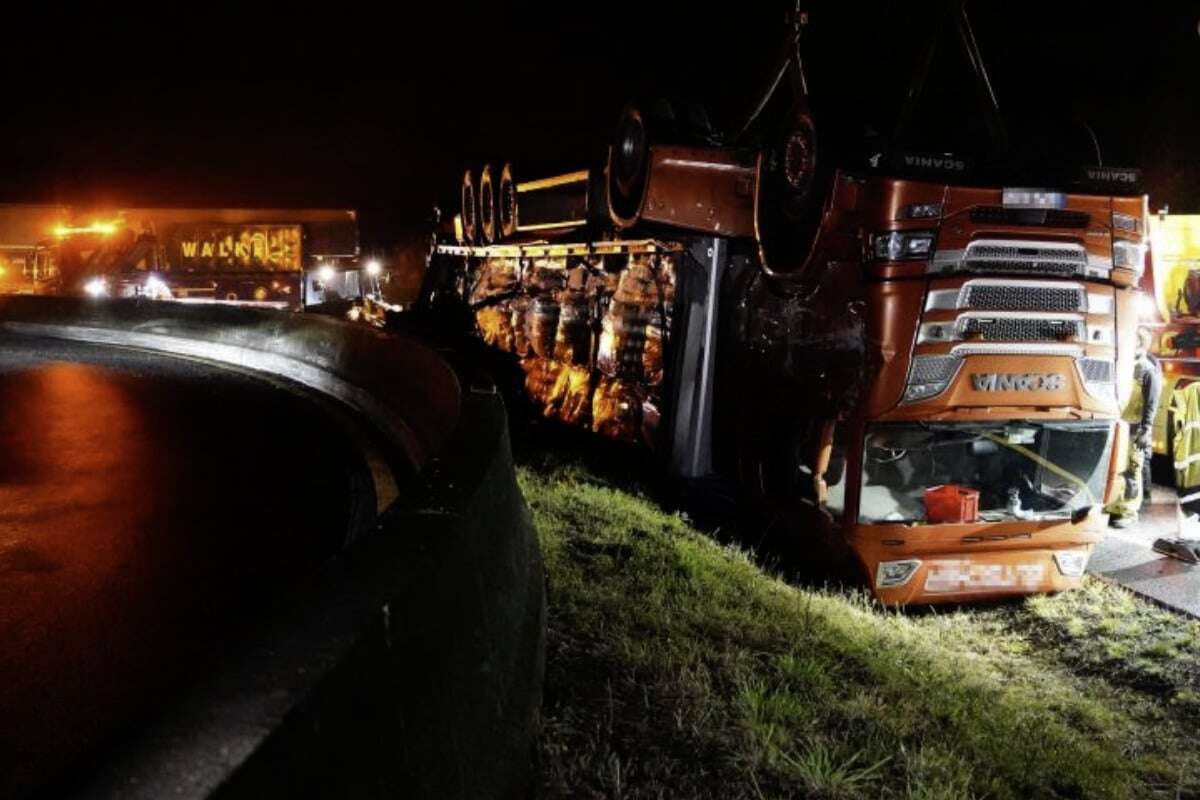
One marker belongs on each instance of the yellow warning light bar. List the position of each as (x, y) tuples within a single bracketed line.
[(102, 228)]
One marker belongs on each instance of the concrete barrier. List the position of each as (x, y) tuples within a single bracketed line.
[(411, 665)]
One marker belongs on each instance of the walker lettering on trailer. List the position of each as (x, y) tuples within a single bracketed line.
[(237, 247)]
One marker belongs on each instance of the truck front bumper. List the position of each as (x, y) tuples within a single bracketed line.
[(924, 564)]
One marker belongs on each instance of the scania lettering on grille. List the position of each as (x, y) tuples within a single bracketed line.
[(1018, 381)]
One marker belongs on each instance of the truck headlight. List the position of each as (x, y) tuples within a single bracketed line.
[(1124, 222), (96, 287), (1071, 563), (1129, 255), (929, 376), (896, 573), (902, 245)]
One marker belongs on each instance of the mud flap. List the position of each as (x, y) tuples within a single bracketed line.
[(1184, 549)]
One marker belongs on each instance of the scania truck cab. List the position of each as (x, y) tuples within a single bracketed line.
[(975, 455)]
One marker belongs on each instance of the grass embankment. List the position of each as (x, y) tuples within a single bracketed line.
[(679, 668)]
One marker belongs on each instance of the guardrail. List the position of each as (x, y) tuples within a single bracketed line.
[(411, 665)]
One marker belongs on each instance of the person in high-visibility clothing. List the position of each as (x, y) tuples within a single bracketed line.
[(1185, 445), (1139, 413)]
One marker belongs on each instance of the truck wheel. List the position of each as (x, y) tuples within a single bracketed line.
[(506, 202), (469, 210), (794, 181), (629, 165), (487, 206)]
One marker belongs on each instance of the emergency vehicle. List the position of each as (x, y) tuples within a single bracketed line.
[(1171, 309)]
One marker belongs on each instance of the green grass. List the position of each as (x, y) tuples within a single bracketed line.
[(677, 667)]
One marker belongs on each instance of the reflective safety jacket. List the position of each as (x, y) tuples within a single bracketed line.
[(1185, 409), (1143, 400)]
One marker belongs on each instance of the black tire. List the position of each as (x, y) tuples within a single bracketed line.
[(794, 183), (487, 206), (469, 210), (629, 165), (506, 203)]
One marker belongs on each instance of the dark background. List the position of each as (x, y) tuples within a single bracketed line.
[(340, 104)]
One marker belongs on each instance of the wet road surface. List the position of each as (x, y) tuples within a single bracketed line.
[(147, 505), (1126, 558)]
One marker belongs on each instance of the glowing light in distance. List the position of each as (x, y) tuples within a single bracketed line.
[(156, 289), (103, 228), (374, 268), (96, 287), (325, 273)]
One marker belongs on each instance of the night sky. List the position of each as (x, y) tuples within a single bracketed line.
[(344, 105)]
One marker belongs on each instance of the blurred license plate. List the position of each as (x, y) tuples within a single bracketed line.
[(966, 576), (1033, 198)]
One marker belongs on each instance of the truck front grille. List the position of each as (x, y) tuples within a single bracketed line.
[(1015, 329), (1019, 257), (1010, 297), (1024, 267)]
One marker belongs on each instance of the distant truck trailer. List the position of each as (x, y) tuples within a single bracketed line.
[(286, 258)]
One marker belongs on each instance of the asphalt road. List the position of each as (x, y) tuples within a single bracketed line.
[(1124, 556), (147, 507)]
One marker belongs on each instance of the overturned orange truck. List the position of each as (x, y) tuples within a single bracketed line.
[(915, 354)]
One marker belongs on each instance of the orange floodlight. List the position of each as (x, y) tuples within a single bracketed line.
[(102, 228)]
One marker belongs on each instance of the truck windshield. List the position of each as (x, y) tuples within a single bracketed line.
[(1020, 470)]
